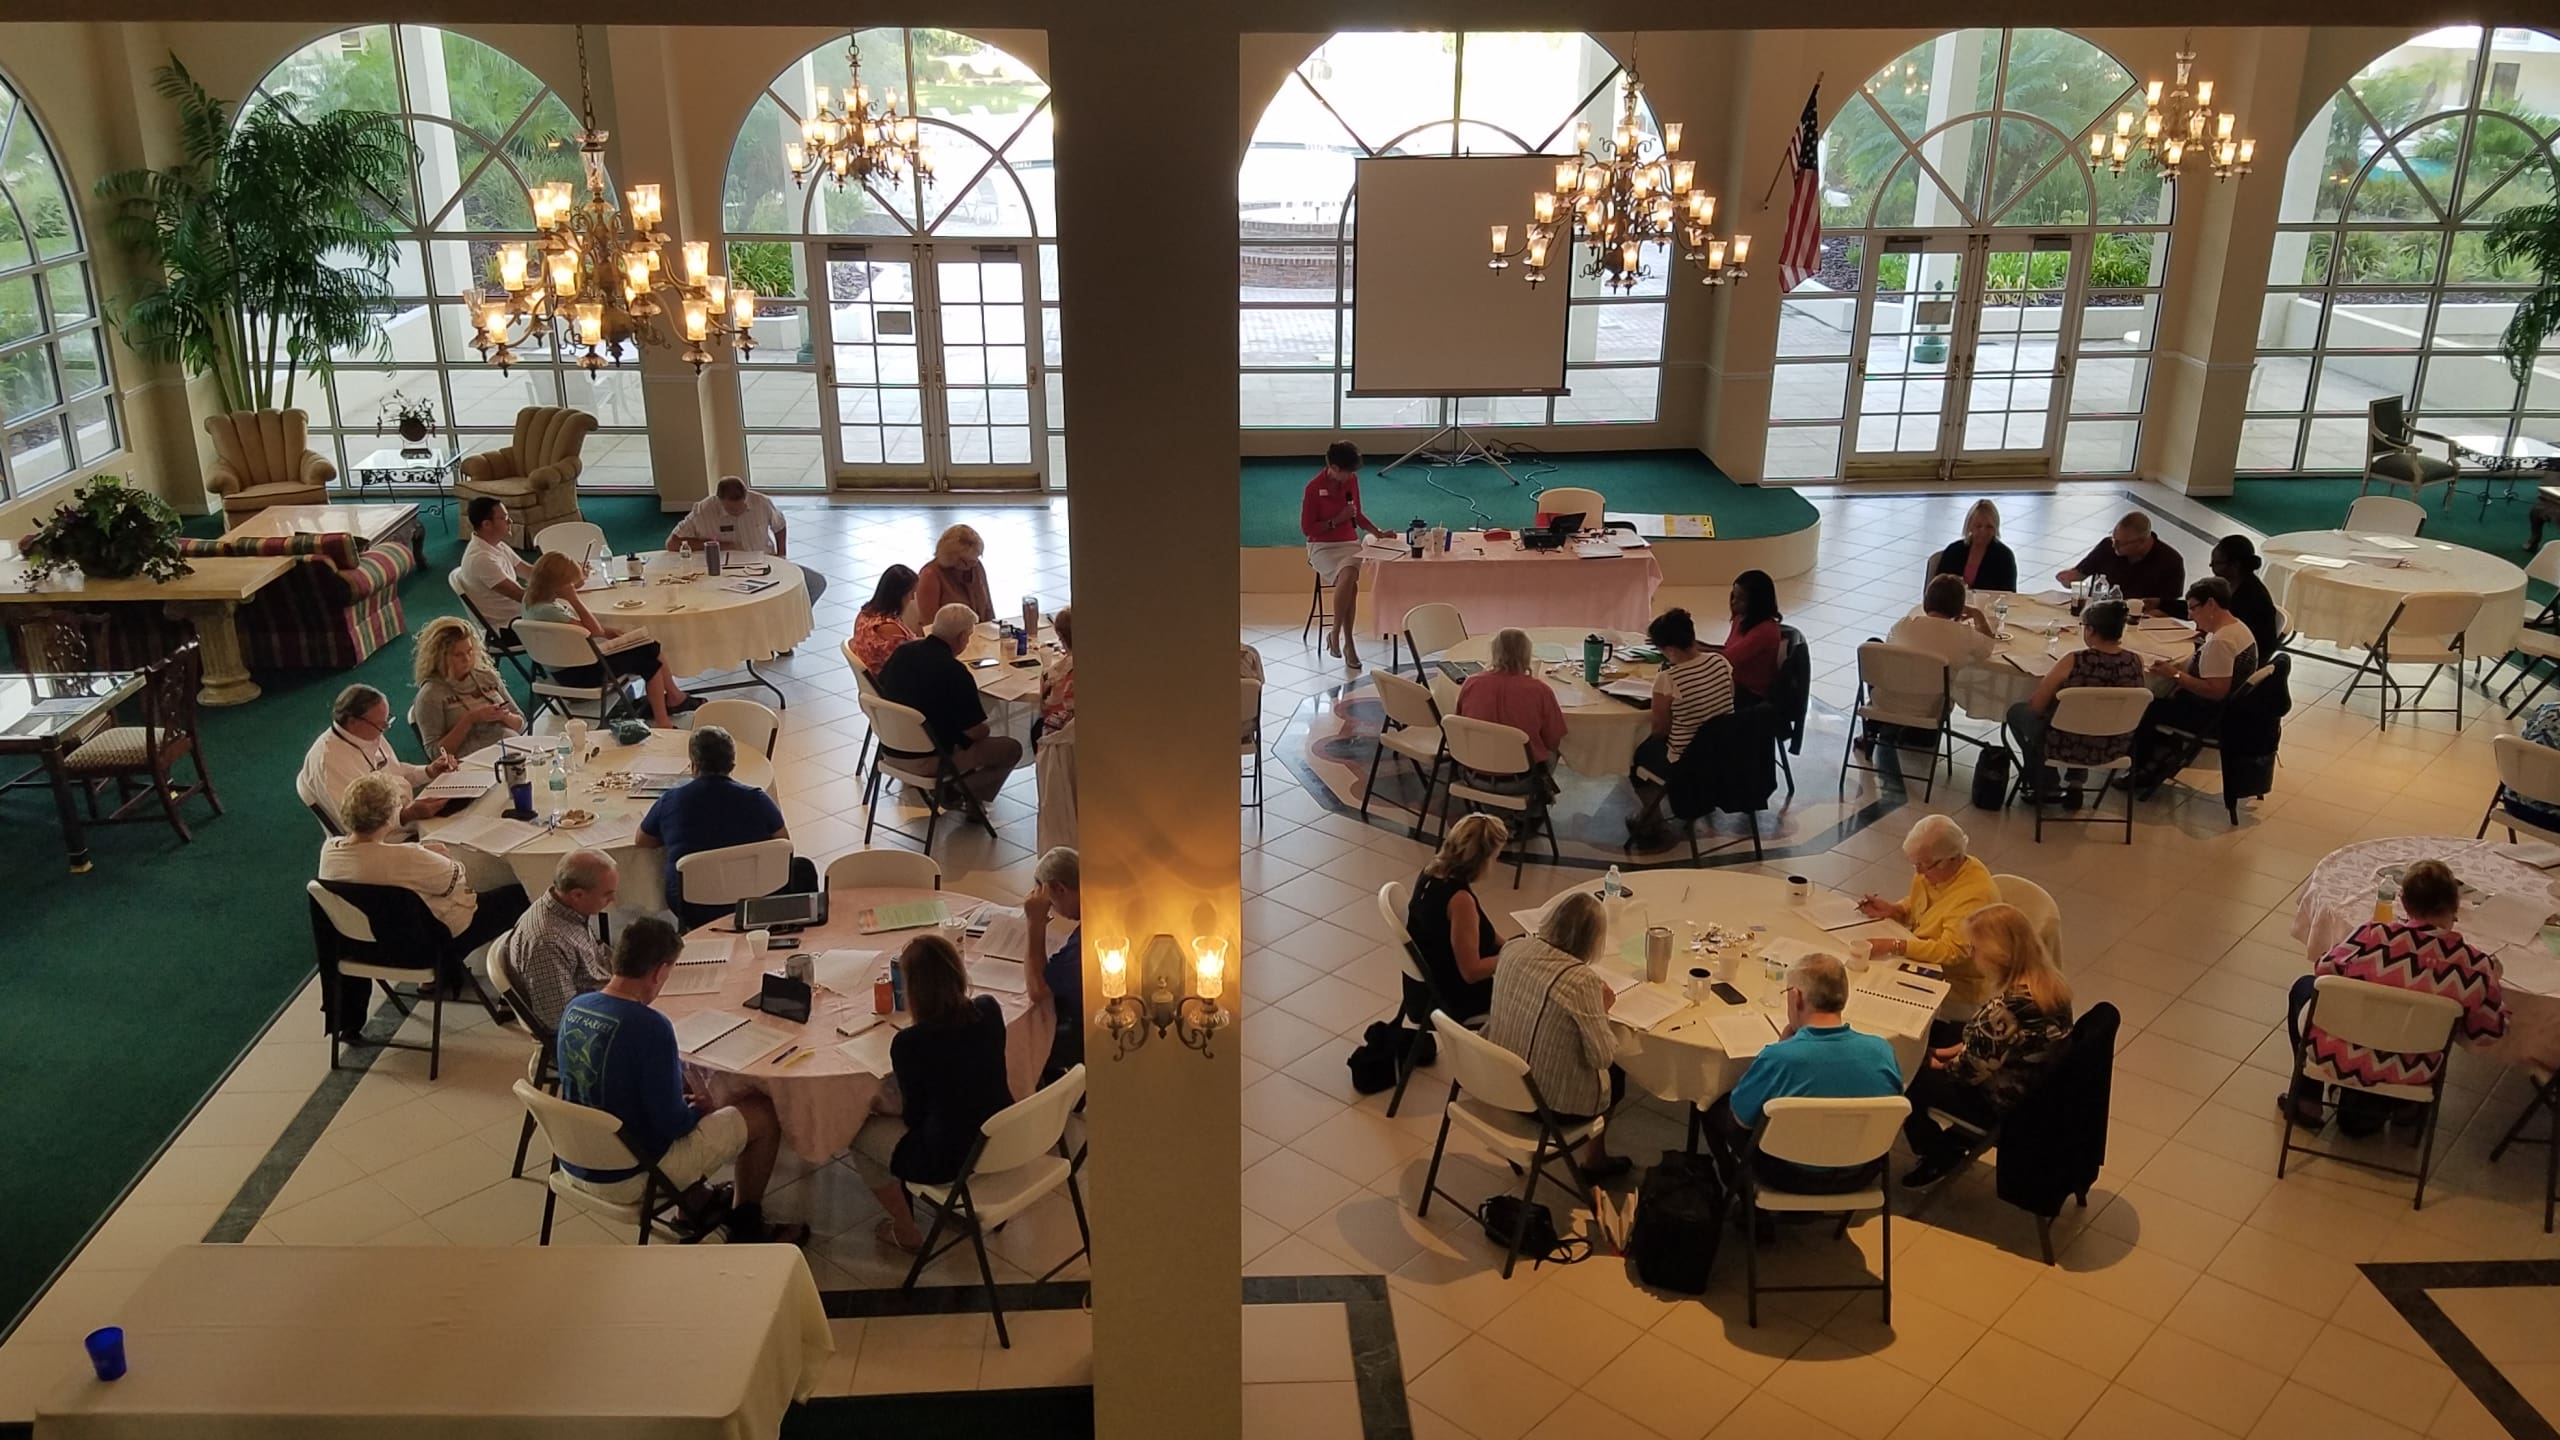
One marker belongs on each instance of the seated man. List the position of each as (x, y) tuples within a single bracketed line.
[(927, 677), (1949, 626), (1819, 1056), (2225, 654), (2132, 557), (713, 812), (553, 953), (618, 1055), (353, 745), (743, 521), (493, 575)]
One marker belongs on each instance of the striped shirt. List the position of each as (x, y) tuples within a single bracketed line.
[(1551, 1010), (1701, 688)]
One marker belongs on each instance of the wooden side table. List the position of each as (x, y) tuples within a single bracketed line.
[(209, 597)]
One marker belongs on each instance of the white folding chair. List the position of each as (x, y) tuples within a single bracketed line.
[(1905, 688), (590, 1139), (2545, 1101), (2533, 773), (1493, 1095), (581, 540), (540, 1070), (1411, 731), (1490, 768), (753, 726), (1428, 630), (556, 647), (492, 638), (1395, 901), (351, 925), (2102, 712), (862, 690), (2036, 903), (735, 872), (1823, 1134), (2540, 638), (1574, 500), (2384, 515), (2428, 628), (2385, 1019), (1249, 698), (884, 870), (909, 753), (1017, 1161)]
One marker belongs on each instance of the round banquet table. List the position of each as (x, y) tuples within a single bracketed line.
[(618, 812), (699, 626), (1600, 732), (2338, 897), (823, 1100), (2038, 634), (1679, 1058), (2350, 606)]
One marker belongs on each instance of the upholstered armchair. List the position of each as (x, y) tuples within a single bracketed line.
[(263, 458), (537, 475)]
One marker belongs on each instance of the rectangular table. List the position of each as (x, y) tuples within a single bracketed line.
[(370, 524), (662, 1342), (47, 716), (208, 596), (1496, 584)]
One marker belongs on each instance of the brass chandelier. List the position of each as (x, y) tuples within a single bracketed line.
[(597, 280), (857, 142), (2176, 127), (1632, 192)]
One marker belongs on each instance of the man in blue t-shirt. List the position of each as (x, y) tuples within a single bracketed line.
[(618, 1055), (711, 811), (1819, 1056)]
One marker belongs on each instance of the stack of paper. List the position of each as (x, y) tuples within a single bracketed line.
[(1596, 550), (1637, 690), (999, 975), (2387, 542), (1833, 911), (1641, 1007), (869, 1051), (1008, 936), (489, 834), (846, 972), (2540, 854), (1744, 1033), (2503, 920), (906, 915), (702, 1027), (708, 950), (747, 1044), (696, 980)]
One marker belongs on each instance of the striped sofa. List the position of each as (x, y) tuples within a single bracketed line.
[(328, 613)]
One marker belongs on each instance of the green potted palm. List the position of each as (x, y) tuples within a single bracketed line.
[(2530, 235)]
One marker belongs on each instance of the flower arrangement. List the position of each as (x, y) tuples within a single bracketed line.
[(111, 531), (414, 419)]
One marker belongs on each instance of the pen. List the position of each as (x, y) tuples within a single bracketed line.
[(803, 1055), (785, 1055), (1907, 985)]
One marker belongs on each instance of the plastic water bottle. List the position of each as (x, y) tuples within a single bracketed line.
[(559, 784), (897, 987), (1611, 887)]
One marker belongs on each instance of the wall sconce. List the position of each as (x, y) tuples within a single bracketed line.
[(1195, 1018)]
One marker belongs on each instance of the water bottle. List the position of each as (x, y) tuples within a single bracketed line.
[(897, 987), (1594, 650), (1611, 887), (559, 784), (710, 557), (1030, 624)]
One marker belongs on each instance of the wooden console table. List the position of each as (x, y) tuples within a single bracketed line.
[(209, 598)]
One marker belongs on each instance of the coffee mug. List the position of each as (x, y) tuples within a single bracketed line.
[(801, 966), (1799, 889), (1696, 989)]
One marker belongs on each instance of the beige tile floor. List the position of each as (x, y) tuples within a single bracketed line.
[(2195, 1296)]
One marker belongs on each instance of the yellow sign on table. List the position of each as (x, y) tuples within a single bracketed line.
[(1689, 527)]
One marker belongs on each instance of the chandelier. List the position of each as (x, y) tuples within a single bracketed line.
[(858, 143), (2176, 127), (597, 279), (1631, 193)]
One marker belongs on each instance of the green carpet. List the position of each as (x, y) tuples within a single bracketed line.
[(1678, 482), (2276, 506), (126, 993)]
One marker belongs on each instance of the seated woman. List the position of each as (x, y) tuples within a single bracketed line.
[(1507, 694), (1979, 559), (370, 853), (2423, 952), (955, 575), (2236, 561), (1694, 686), (1947, 885), (2101, 662), (1449, 926), (1753, 645), (462, 705), (1552, 1009), (1248, 667), (949, 1064), (1058, 681), (880, 626), (551, 593), (1056, 977), (2006, 1045)]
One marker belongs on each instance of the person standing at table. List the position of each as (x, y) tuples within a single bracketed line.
[(1330, 517), (2004, 1048), (2135, 560), (2235, 563), (1056, 977), (2102, 662), (1449, 927), (1505, 693), (552, 952), (949, 1065), (927, 677), (354, 745), (1754, 644), (492, 574), (745, 522), (957, 575), (1980, 560), (880, 627), (1819, 1057)]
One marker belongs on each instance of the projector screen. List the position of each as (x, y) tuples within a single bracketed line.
[(1427, 317)]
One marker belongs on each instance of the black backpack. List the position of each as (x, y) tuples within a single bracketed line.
[(1373, 1063), (1680, 1212), (1991, 780)]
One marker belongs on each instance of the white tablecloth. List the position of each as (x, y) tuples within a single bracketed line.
[(1496, 584), (1600, 732), (2339, 896), (2350, 606), (618, 812), (822, 1101), (2040, 633), (616, 1342), (1679, 1058), (699, 626)]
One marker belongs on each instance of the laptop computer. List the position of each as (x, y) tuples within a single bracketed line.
[(1559, 529)]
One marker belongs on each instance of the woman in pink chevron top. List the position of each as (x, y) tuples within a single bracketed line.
[(2422, 951)]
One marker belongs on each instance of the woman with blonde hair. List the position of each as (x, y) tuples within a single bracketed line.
[(2006, 1047), (461, 705), (1979, 559), (1552, 1009), (551, 593), (1450, 931), (954, 575)]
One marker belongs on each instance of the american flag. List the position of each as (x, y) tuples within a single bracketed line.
[(1800, 253)]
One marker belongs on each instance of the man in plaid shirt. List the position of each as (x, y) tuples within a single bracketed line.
[(553, 951)]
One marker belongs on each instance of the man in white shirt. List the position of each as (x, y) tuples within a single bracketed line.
[(743, 521), (492, 574), (353, 745), (1947, 625), (2226, 652)]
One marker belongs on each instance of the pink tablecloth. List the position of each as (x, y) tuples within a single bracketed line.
[(822, 1101), (1496, 584)]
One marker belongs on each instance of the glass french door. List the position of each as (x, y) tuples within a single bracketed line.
[(932, 378), (1963, 355)]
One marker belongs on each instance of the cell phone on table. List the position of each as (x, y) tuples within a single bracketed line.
[(782, 942), (1925, 972), (989, 663), (1726, 993), (1025, 663)]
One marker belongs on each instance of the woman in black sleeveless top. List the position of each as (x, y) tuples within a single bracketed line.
[(1449, 928)]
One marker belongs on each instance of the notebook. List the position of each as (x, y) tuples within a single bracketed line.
[(703, 1027), (1641, 1007), (1881, 1013), (616, 644), (696, 980), (1008, 936), (708, 950), (1833, 910), (747, 1044), (869, 1051), (1744, 1033), (905, 915)]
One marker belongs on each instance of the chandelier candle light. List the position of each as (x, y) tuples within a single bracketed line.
[(2176, 126), (857, 142), (597, 280)]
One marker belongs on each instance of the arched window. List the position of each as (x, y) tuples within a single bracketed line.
[(487, 131), (935, 362), (1368, 93), (57, 399), (1967, 238), (2381, 282)]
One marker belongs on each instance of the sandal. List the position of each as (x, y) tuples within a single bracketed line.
[(886, 1232)]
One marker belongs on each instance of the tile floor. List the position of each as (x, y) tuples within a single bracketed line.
[(2196, 1295)]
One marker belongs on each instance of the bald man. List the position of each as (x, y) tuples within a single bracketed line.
[(553, 952), (2139, 562)]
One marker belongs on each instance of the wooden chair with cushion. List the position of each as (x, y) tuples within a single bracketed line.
[(537, 475), (263, 458), (150, 751), (2391, 455)]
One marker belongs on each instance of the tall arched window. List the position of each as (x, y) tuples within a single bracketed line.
[(486, 130), (1367, 93), (1988, 301), (2381, 282), (935, 361), (57, 399)]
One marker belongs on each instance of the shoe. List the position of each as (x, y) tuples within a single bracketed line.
[(688, 705), (2305, 1113), (1930, 1170), (2073, 799)]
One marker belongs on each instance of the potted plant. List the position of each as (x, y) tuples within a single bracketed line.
[(2530, 235), (414, 419), (108, 530)]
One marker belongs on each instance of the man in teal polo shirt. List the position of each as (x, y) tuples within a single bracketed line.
[(1819, 1056)]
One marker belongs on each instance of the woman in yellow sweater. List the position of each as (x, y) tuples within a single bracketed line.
[(1947, 886)]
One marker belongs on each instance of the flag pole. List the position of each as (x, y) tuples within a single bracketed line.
[(1781, 172)]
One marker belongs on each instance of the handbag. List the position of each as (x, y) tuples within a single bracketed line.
[(1502, 1216), (1373, 1063), (1680, 1213), (1991, 780)]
